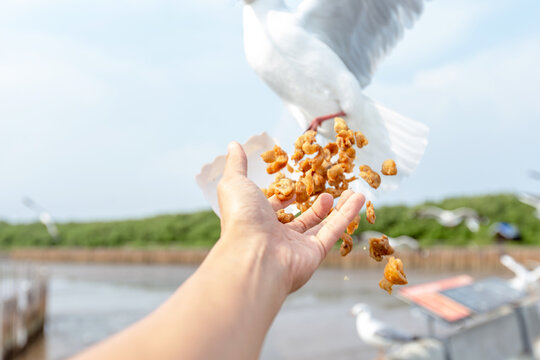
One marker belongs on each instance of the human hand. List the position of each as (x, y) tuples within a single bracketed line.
[(295, 249)]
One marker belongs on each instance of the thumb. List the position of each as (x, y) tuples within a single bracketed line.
[(236, 163)]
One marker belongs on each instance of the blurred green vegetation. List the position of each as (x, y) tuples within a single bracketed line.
[(201, 229), (401, 220)]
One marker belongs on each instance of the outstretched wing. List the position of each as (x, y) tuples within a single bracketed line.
[(361, 32), (514, 266)]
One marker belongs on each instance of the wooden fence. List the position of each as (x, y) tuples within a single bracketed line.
[(433, 259)]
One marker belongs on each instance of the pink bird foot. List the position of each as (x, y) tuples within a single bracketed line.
[(319, 120)]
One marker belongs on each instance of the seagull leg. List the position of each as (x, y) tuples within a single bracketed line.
[(380, 354), (319, 120)]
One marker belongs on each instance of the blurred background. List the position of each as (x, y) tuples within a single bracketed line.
[(108, 110)]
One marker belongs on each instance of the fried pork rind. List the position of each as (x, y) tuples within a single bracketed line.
[(345, 139), (340, 125), (353, 225), (301, 192), (305, 144), (346, 244), (283, 217), (370, 213), (389, 167), (370, 176), (277, 159), (284, 189), (393, 274), (361, 140), (379, 247)]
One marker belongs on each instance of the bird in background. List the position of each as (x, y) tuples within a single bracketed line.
[(531, 200), (534, 174), (376, 333), (44, 217), (319, 57), (452, 218), (525, 279), (399, 242)]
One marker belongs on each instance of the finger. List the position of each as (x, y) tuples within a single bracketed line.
[(236, 161), (342, 200), (278, 204), (336, 225), (315, 214)]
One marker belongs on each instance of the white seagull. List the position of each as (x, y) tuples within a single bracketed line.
[(525, 279), (452, 218), (376, 333), (319, 58), (531, 200), (44, 217)]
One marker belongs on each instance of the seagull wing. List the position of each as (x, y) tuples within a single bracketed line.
[(535, 274), (513, 265), (361, 32), (392, 335), (530, 200), (465, 212), (431, 211)]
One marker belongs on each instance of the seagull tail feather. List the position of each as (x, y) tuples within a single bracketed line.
[(390, 136)]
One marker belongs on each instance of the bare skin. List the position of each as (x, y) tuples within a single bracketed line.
[(226, 307)]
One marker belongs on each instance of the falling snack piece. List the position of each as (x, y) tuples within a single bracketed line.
[(389, 167), (379, 247), (346, 245), (370, 213), (370, 176), (353, 225), (393, 274)]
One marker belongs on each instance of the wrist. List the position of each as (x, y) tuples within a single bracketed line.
[(254, 261)]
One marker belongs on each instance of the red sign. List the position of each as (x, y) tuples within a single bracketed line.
[(429, 297)]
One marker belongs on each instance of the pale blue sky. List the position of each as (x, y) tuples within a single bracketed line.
[(108, 109)]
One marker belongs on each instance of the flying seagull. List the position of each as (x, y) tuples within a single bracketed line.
[(376, 333), (399, 242), (319, 57), (525, 278), (44, 217), (452, 218), (531, 200), (534, 174)]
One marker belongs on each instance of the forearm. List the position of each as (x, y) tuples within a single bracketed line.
[(223, 311)]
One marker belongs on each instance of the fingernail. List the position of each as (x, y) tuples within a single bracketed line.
[(232, 145)]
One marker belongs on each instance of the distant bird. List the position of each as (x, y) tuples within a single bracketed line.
[(531, 200), (400, 242), (44, 217), (319, 58), (534, 174), (525, 279), (452, 218), (375, 333)]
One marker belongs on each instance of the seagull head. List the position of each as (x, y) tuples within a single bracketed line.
[(359, 309)]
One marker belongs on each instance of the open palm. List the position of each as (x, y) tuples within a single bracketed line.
[(298, 246)]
